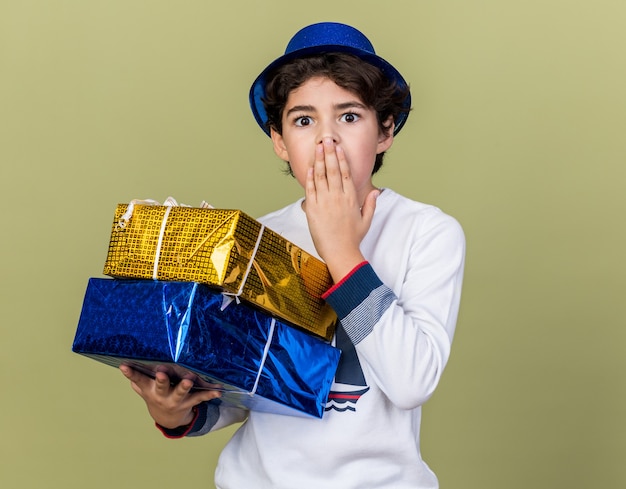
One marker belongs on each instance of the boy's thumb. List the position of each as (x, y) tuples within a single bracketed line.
[(369, 206)]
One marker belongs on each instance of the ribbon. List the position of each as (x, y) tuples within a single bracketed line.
[(157, 252), (124, 220), (230, 296), (266, 350), (169, 202)]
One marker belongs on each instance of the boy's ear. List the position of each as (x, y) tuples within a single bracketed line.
[(385, 139), (279, 145)]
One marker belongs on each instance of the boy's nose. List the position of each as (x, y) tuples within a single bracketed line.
[(328, 132), (326, 139)]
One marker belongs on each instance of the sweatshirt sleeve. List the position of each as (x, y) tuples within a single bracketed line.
[(404, 336)]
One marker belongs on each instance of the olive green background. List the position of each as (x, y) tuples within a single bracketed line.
[(518, 130)]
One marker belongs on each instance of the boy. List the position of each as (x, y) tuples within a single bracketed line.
[(332, 108)]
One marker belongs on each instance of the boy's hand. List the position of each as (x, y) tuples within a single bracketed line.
[(338, 215), (169, 405)]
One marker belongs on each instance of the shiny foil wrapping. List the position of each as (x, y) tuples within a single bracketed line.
[(226, 249), (257, 362)]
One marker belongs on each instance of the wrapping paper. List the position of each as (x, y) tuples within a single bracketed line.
[(227, 249), (258, 362)]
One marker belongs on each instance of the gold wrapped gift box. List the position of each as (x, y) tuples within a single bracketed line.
[(226, 249)]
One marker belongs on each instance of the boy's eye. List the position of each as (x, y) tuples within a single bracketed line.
[(350, 117), (303, 121)]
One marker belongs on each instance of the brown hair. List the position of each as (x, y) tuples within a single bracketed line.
[(350, 73)]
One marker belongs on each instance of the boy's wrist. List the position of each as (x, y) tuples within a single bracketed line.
[(185, 421), (189, 419), (340, 267)]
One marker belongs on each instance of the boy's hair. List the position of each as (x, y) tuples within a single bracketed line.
[(349, 72)]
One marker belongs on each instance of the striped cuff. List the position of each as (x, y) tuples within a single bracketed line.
[(360, 299), (343, 280)]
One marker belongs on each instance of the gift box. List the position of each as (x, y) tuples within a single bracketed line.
[(226, 249), (258, 362)]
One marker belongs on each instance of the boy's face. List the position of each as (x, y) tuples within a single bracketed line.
[(320, 109)]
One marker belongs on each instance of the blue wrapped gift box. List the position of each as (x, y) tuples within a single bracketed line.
[(258, 362)]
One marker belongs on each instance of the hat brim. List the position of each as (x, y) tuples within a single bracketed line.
[(257, 90)]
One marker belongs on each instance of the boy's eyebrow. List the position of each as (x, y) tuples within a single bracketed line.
[(350, 105), (341, 106), (301, 108)]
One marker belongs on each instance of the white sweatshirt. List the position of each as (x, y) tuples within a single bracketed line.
[(398, 313)]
